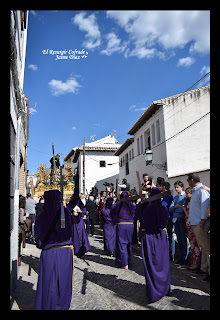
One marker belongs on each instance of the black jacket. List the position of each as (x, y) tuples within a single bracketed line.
[(91, 207)]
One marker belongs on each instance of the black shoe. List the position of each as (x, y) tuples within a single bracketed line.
[(184, 263), (171, 257), (111, 254), (206, 279), (199, 272), (179, 262)]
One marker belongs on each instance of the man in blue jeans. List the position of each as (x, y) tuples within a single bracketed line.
[(176, 208), (30, 209)]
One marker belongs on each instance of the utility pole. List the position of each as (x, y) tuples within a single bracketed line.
[(84, 184)]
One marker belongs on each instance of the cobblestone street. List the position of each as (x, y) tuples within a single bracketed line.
[(99, 285)]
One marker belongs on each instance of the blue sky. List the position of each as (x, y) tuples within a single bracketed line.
[(126, 60)]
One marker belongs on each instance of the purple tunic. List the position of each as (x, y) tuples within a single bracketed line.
[(123, 213), (80, 238), (153, 218), (109, 227), (124, 210), (54, 288)]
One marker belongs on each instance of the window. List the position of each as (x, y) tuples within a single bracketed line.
[(147, 143), (153, 134), (102, 164), (141, 144), (132, 153), (158, 130), (126, 164), (138, 146)]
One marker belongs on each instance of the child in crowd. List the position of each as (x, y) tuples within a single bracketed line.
[(190, 234)]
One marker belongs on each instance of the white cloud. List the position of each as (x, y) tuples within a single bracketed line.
[(33, 12), (90, 26), (149, 33), (141, 52), (32, 67), (185, 62), (206, 80), (58, 87), (204, 70), (122, 17), (140, 109), (169, 29), (114, 45), (32, 110), (135, 108), (132, 107), (73, 128)]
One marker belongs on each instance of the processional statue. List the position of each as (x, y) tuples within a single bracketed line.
[(55, 165), (55, 176)]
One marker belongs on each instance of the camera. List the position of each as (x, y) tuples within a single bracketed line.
[(144, 188), (106, 184)]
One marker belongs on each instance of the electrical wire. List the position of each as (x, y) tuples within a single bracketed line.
[(167, 140), (29, 148), (173, 100), (181, 131)]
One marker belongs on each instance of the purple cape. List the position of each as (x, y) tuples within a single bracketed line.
[(155, 248), (54, 287), (124, 210), (106, 212), (109, 228), (48, 222), (153, 215)]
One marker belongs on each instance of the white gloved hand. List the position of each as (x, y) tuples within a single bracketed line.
[(76, 211)]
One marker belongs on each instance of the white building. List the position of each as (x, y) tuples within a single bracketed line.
[(19, 112), (101, 164), (176, 131)]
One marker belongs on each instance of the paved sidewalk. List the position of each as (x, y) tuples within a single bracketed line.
[(99, 285)]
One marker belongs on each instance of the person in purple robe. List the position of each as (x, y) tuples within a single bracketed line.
[(55, 277), (109, 227), (80, 238), (153, 218), (123, 213)]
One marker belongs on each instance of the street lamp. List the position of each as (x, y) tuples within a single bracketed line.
[(148, 156), (149, 159)]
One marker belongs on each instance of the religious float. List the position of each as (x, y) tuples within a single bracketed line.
[(49, 178)]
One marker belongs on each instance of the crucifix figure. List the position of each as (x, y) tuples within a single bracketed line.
[(55, 164)]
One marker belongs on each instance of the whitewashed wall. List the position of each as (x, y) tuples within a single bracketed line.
[(96, 175), (188, 151)]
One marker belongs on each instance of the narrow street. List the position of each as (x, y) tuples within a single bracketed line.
[(99, 285)]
